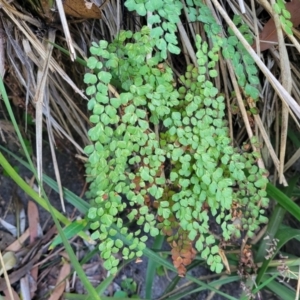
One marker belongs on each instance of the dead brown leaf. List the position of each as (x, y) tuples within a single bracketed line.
[(79, 9), (18, 244), (7, 296), (33, 220), (61, 281)]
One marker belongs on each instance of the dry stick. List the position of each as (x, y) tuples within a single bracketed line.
[(7, 6), (283, 94), (296, 32), (259, 235), (255, 23), (276, 133), (51, 135), (267, 141), (294, 41), (247, 125), (2, 71), (190, 24), (286, 78), (268, 8), (292, 160), (298, 285), (248, 128), (38, 101), (217, 287), (78, 115), (225, 75), (186, 41), (2, 55), (65, 26), (296, 87), (276, 54), (243, 110), (54, 66), (296, 155), (242, 6)]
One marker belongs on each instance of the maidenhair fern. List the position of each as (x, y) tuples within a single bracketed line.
[(164, 17), (284, 16), (244, 65), (161, 156)]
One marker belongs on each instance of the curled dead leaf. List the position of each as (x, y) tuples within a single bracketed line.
[(61, 281), (138, 260), (81, 9), (224, 260)]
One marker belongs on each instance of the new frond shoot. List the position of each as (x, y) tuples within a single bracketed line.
[(160, 159)]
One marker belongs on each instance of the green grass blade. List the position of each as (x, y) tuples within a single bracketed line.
[(177, 278), (106, 282), (70, 231), (66, 52), (55, 216), (294, 137), (81, 274), (283, 236), (264, 283), (76, 201), (279, 289), (293, 271), (274, 223), (89, 256), (30, 192), (284, 201), (151, 267), (13, 120), (218, 282), (27, 189), (152, 255)]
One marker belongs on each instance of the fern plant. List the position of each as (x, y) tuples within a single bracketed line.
[(284, 16), (244, 66), (164, 148), (163, 19)]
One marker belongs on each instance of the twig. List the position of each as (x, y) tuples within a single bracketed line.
[(64, 23), (287, 84)]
